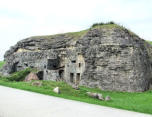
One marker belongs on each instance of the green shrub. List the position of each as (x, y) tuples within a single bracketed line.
[(111, 22), (19, 76), (94, 25), (101, 23)]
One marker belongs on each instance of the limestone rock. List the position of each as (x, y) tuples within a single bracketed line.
[(108, 57), (31, 76), (56, 90), (107, 98), (76, 87), (93, 95), (100, 97)]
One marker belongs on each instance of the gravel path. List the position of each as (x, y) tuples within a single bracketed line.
[(18, 103)]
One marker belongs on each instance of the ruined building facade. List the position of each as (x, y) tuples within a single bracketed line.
[(106, 57)]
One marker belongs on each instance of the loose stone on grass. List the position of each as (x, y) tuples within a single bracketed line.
[(100, 97), (94, 95), (76, 87), (56, 90), (37, 83), (107, 98)]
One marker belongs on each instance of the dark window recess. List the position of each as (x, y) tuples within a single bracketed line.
[(74, 61), (52, 64), (71, 77), (26, 64), (79, 64)]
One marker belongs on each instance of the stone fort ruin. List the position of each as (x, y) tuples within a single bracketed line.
[(108, 57)]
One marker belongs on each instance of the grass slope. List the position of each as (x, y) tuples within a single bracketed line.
[(77, 35), (139, 102)]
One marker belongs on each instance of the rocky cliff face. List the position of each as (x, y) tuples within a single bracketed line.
[(108, 57)]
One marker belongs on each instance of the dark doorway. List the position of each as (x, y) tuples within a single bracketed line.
[(61, 74), (79, 64), (14, 67), (77, 78), (40, 75), (71, 77)]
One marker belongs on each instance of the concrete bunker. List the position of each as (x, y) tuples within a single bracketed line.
[(74, 69), (69, 69), (51, 69)]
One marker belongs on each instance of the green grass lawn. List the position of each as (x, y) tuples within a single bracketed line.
[(139, 102)]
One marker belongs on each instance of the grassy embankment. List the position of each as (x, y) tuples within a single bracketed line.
[(139, 102)]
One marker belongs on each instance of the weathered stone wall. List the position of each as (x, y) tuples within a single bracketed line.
[(119, 62), (51, 75), (74, 64)]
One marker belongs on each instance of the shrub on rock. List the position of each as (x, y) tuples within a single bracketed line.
[(19, 76)]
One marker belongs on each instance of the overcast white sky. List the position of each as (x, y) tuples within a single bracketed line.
[(23, 18)]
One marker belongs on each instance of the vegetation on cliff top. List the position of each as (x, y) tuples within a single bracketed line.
[(111, 23), (76, 35), (69, 34)]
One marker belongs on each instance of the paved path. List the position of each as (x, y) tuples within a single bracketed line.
[(18, 103)]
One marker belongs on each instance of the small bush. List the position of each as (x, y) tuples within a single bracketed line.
[(111, 22), (19, 76), (95, 24), (101, 23)]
